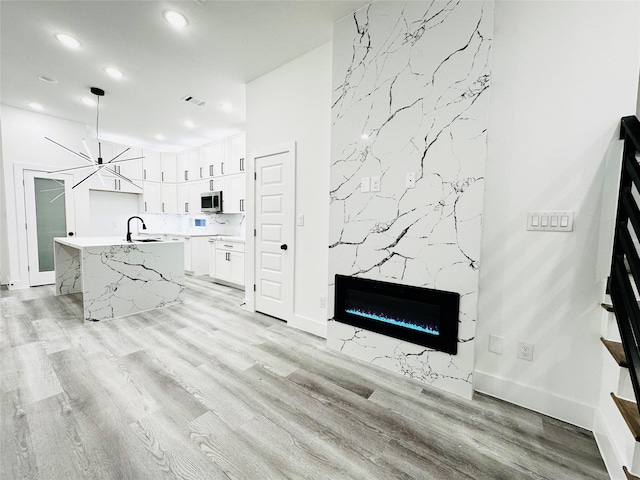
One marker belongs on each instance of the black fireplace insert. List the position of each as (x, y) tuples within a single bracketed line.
[(418, 315)]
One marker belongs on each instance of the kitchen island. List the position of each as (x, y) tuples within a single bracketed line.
[(118, 278)]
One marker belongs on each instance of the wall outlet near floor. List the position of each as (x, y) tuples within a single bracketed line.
[(496, 344), (323, 301), (525, 351)]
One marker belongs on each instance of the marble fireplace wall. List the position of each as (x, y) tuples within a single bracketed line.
[(410, 95)]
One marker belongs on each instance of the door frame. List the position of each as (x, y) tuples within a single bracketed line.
[(18, 261), (43, 278), (250, 240)]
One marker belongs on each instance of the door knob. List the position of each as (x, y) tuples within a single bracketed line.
[(283, 246)]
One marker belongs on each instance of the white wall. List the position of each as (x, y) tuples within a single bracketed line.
[(564, 73), (24, 143), (292, 104)]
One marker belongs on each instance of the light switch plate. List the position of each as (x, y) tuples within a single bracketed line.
[(300, 220), (550, 221), (365, 185), (375, 184)]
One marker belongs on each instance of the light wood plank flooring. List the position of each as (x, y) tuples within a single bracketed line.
[(205, 390)]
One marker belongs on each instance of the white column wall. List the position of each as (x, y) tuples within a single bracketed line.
[(292, 104), (563, 74)]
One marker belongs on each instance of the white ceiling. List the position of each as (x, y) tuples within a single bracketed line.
[(225, 45)]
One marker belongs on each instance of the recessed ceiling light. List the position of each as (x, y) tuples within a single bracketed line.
[(189, 124), (47, 79), (88, 101), (159, 137), (364, 136), (227, 107), (68, 40), (113, 72), (174, 18), (36, 106)]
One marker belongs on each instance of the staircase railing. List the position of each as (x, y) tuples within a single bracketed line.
[(625, 264)]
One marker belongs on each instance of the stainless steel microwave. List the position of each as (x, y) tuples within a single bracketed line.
[(211, 202)]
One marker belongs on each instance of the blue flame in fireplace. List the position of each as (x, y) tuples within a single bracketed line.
[(381, 318)]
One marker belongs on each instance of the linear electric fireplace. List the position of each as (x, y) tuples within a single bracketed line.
[(418, 315)]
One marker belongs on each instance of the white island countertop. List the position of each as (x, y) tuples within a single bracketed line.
[(84, 242)]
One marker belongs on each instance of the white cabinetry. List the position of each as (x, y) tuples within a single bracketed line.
[(169, 198), (132, 169), (168, 167), (152, 198), (236, 149), (196, 253), (227, 262), (233, 193), (151, 170)]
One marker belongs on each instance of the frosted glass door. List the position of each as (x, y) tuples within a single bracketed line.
[(49, 215)]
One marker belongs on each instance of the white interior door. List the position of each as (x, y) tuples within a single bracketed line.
[(274, 221), (49, 210)]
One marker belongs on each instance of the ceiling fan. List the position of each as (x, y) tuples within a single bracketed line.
[(97, 164)]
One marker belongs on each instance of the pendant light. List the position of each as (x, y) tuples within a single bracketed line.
[(98, 164)]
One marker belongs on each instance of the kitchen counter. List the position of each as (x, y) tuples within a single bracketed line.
[(118, 278)]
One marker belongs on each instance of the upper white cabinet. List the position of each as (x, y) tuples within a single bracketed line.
[(233, 193), (152, 198), (236, 157), (127, 161), (195, 172), (151, 170), (168, 167)]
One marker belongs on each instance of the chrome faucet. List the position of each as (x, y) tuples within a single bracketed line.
[(144, 227)]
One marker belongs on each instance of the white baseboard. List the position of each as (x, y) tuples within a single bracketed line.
[(308, 325), (540, 401)]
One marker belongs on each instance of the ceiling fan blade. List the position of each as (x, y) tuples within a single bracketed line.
[(123, 178), (121, 153), (71, 168), (89, 176), (79, 154), (124, 160)]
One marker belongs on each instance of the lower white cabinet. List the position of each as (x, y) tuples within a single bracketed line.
[(226, 262), (196, 253)]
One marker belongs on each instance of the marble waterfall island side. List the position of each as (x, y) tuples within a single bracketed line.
[(117, 278)]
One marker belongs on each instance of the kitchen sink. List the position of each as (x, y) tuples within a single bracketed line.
[(147, 240)]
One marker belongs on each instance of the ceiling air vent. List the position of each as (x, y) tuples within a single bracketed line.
[(194, 100)]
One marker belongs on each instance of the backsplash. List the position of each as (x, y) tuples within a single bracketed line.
[(227, 224)]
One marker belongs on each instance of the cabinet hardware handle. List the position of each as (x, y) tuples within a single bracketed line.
[(144, 173), (211, 170), (222, 168), (200, 172)]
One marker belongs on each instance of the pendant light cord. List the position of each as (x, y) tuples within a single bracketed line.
[(98, 128)]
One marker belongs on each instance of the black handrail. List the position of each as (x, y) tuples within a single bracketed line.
[(623, 298)]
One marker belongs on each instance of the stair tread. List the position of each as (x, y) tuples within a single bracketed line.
[(630, 476), (616, 351), (629, 411)]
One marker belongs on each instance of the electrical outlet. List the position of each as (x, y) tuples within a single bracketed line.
[(496, 344), (411, 180), (375, 184), (323, 301), (525, 351)]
